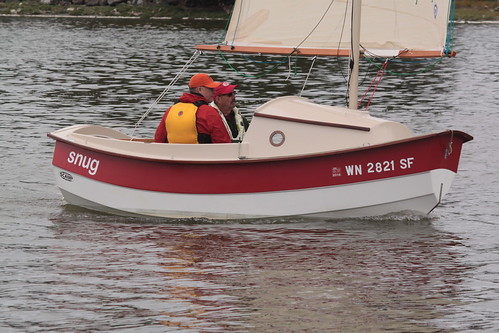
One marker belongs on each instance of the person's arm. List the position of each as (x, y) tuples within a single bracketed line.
[(161, 135), (210, 122)]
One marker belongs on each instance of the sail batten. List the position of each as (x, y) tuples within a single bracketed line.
[(322, 27)]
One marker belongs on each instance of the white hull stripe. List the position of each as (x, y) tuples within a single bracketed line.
[(418, 192)]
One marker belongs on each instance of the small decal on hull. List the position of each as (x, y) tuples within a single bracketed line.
[(66, 176)]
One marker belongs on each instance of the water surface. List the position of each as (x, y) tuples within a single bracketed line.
[(66, 269)]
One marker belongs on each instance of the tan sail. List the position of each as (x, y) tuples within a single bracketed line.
[(416, 28)]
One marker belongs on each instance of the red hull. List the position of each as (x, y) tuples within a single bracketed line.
[(405, 157)]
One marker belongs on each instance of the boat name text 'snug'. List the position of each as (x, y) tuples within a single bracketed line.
[(91, 164)]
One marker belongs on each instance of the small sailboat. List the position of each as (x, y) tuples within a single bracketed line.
[(298, 158)]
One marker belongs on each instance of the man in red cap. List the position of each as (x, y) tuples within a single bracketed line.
[(225, 102), (192, 119)]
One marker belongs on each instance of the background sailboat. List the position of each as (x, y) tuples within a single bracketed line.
[(298, 157)]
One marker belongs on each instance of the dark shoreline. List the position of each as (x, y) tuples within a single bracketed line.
[(185, 18), (33, 8)]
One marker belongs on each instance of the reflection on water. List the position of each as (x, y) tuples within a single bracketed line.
[(306, 275), (64, 269)]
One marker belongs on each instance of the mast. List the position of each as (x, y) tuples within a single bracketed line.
[(355, 55)]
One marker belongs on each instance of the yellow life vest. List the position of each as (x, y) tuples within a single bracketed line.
[(181, 123)]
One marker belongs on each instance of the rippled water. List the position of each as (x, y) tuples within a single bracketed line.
[(66, 269)]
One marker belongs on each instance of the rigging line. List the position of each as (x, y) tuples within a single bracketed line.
[(438, 60), (285, 58), (306, 79), (234, 38), (320, 20), (448, 151), (450, 28), (347, 80), (196, 54), (377, 80), (405, 61), (339, 41), (368, 70), (296, 64), (351, 61), (396, 58), (226, 27), (237, 23), (289, 69)]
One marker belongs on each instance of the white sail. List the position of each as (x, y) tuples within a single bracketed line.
[(322, 27)]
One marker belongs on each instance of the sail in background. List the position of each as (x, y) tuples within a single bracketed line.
[(322, 27)]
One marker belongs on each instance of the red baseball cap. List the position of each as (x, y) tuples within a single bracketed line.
[(224, 88), (202, 80)]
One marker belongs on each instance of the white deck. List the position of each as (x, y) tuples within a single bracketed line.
[(308, 128)]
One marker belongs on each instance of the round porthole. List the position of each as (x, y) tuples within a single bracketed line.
[(277, 138)]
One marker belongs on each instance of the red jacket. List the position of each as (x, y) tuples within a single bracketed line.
[(209, 124)]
